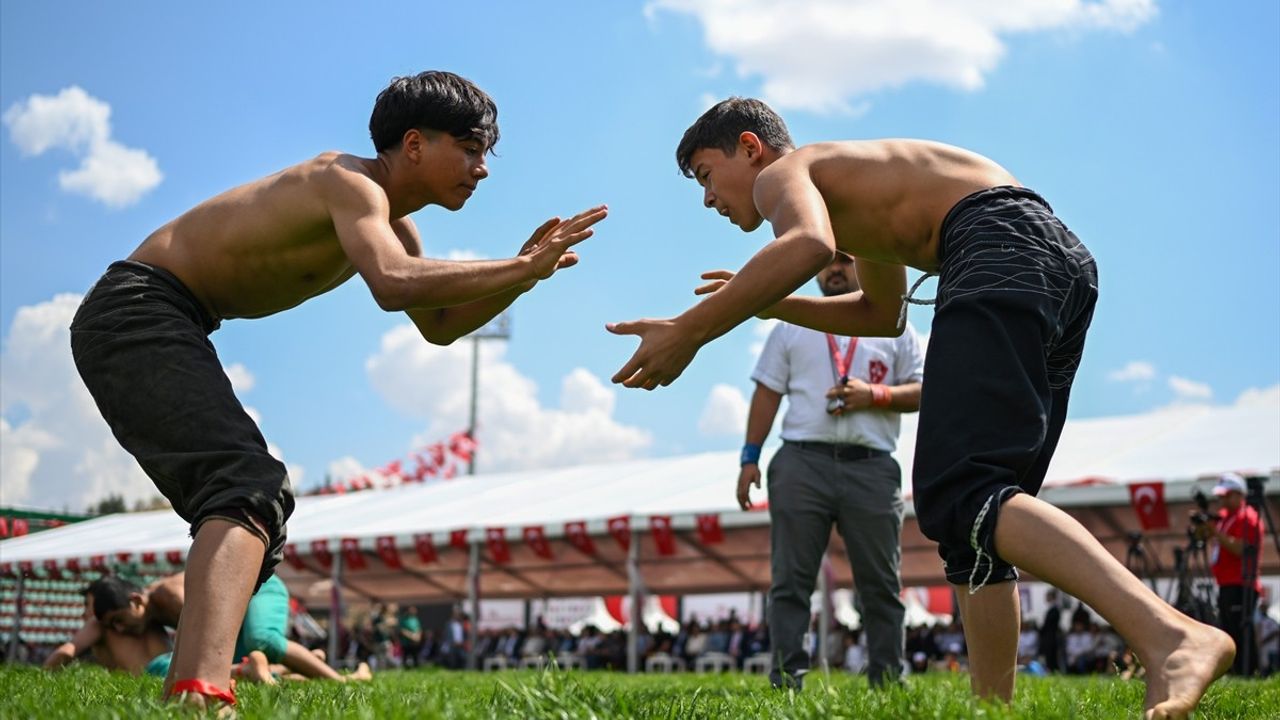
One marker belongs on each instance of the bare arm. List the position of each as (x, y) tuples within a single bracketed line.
[(165, 599), (398, 280), (764, 408), (869, 312), (89, 634)]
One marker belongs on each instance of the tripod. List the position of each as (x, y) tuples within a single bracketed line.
[(1139, 562), (1256, 499), (1193, 583)]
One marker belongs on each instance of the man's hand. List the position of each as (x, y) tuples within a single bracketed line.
[(855, 393), (720, 278), (665, 351), (750, 475), (548, 247)]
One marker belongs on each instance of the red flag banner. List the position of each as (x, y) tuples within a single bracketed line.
[(291, 557), (387, 552), (4, 527), (462, 445), (1148, 504), (536, 539), (613, 604), (436, 452), (51, 567), (20, 527), (669, 605), (73, 564), (458, 539), (450, 472), (709, 532), (426, 549), (25, 567), (620, 529), (499, 551), (660, 525), (320, 551), (576, 532), (98, 562), (173, 557), (351, 553), (123, 558), (148, 558), (6, 569)]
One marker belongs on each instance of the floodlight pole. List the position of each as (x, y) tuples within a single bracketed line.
[(498, 328)]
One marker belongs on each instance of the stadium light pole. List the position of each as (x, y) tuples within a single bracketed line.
[(498, 328)]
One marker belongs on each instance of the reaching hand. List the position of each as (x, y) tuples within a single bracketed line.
[(718, 278), (549, 245), (855, 393), (665, 351)]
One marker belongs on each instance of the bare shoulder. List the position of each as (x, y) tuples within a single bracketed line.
[(345, 179)]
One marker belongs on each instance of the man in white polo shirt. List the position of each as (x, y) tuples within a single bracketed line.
[(846, 396)]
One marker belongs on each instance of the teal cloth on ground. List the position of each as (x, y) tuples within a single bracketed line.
[(266, 621), (159, 665)]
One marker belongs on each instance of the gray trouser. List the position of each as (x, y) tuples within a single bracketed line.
[(808, 491)]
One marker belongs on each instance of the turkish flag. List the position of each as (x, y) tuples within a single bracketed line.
[(123, 557), (20, 527), (458, 539), (660, 525), (620, 529), (351, 553), (450, 472), (499, 551), (98, 562), (536, 539), (709, 531), (387, 551), (392, 469), (51, 566), (1148, 503), (25, 567), (462, 445), (4, 527), (576, 532), (427, 549), (291, 557), (148, 558), (173, 557), (320, 551), (73, 564)]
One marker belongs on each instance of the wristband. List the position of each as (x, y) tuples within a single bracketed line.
[(881, 396), (750, 454)]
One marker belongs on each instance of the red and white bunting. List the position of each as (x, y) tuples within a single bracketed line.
[(25, 567), (496, 539), (98, 562), (73, 564), (320, 551), (291, 556), (173, 557), (437, 453), (4, 527), (352, 555), (6, 569), (386, 546), (450, 472), (576, 532), (51, 567), (536, 539), (709, 531), (20, 527), (124, 558), (427, 549), (660, 525), (620, 529), (148, 558), (462, 445)]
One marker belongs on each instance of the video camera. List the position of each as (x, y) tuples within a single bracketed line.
[(1201, 515)]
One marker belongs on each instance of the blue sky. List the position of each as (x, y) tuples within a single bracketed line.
[(1152, 127)]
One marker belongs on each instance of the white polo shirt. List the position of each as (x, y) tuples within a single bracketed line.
[(797, 362)]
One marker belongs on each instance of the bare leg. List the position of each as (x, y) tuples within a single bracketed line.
[(1182, 656), (221, 570), (992, 617), (304, 662)]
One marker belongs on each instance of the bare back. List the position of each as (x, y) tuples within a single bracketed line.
[(258, 248), (887, 198)]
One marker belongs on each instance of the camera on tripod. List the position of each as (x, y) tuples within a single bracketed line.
[(1201, 514)]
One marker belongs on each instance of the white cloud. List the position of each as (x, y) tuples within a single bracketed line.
[(242, 380), (725, 412), (822, 55), (456, 254), (1189, 389), (77, 122), (515, 432), (345, 468), (1134, 371), (760, 330), (62, 453)]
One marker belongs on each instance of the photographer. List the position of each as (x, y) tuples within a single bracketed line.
[(1233, 527)]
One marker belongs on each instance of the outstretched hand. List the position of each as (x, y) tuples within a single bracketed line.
[(549, 246), (718, 278), (665, 351)]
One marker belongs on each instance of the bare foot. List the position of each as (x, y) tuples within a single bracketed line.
[(318, 653), (255, 668), (1178, 677), (362, 673)]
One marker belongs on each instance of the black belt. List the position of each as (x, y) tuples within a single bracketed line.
[(839, 451)]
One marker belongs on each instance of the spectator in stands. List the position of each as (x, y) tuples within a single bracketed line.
[(410, 629), (845, 399), (1051, 633), (1028, 643), (696, 644), (1080, 647), (855, 653)]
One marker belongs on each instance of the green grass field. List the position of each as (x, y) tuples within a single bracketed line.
[(88, 692)]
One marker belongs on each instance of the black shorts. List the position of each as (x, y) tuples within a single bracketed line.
[(1016, 293), (140, 341)]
